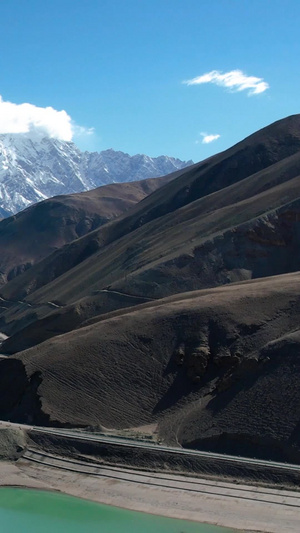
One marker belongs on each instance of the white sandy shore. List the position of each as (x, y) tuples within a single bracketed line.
[(239, 507)]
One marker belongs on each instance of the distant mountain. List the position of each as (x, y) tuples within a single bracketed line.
[(34, 168)]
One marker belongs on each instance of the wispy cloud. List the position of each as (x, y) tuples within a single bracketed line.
[(25, 118), (208, 137), (80, 131), (234, 80)]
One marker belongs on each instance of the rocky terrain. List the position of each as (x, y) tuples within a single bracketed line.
[(181, 313)]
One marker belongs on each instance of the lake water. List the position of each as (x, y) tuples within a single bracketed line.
[(31, 511)]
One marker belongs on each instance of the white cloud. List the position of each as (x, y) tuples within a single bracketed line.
[(235, 80), (209, 138), (24, 118)]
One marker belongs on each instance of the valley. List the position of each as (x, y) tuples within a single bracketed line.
[(160, 317)]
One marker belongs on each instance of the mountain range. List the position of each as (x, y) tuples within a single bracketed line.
[(33, 168), (181, 313)]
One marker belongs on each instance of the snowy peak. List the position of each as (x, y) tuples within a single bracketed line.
[(33, 168)]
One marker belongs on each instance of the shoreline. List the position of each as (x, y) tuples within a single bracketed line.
[(251, 513), (68, 494)]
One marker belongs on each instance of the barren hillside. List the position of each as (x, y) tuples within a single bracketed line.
[(182, 312)]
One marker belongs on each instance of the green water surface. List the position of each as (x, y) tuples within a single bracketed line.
[(32, 511)]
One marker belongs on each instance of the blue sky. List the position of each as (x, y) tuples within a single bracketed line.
[(117, 70)]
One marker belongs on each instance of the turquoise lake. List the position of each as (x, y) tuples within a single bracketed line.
[(31, 511)]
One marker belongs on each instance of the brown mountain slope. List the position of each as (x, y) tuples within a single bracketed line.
[(144, 262), (216, 369), (246, 230), (200, 247), (44, 227), (257, 153)]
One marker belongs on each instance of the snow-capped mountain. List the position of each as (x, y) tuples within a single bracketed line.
[(33, 168)]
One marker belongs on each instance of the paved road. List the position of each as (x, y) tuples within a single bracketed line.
[(118, 293), (139, 444), (54, 305)]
